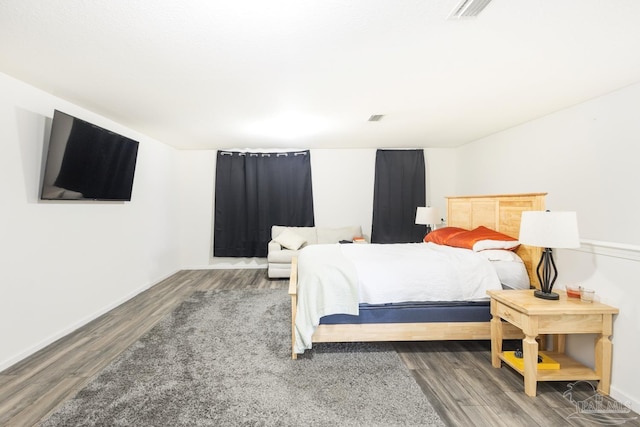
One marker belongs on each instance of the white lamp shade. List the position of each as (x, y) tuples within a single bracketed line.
[(549, 229), (427, 215)]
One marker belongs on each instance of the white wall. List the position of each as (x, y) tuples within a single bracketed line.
[(197, 179), (588, 159), (343, 187), (342, 195), (343, 184), (64, 263)]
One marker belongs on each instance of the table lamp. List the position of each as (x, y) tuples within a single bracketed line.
[(427, 216), (548, 230)]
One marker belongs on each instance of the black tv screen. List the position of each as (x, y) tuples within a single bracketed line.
[(85, 161)]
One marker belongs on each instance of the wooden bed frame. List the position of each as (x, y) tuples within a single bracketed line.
[(498, 212)]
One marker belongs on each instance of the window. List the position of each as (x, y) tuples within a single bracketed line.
[(399, 189), (255, 191)]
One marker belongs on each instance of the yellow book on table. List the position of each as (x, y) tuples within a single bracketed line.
[(518, 362)]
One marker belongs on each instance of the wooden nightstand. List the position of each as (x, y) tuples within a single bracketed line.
[(535, 316)]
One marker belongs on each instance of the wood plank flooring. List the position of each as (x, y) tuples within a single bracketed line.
[(456, 377)]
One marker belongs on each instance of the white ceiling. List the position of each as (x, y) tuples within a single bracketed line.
[(218, 74)]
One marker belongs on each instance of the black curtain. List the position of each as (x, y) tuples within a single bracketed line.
[(98, 163), (399, 189), (255, 191)]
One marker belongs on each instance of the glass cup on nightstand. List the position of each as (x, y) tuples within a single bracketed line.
[(587, 295)]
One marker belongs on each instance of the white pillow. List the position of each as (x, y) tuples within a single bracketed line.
[(512, 275), (500, 255), (483, 245), (290, 239)]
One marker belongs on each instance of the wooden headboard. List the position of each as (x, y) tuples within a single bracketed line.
[(501, 213)]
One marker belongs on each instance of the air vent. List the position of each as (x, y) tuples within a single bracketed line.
[(468, 9), (376, 117)]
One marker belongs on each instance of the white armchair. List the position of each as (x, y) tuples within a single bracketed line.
[(288, 241)]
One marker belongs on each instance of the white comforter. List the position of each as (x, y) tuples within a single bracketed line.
[(327, 284), (420, 272), (336, 278)]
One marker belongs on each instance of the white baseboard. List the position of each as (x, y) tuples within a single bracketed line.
[(628, 401), (234, 263), (5, 364), (226, 267)]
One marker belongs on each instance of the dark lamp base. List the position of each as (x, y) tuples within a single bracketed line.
[(546, 295)]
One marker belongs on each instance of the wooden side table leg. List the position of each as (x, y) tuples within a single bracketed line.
[(496, 335), (603, 360), (496, 341), (530, 356)]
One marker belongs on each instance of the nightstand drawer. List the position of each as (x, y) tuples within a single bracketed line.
[(509, 314)]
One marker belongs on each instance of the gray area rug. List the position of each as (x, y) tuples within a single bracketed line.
[(223, 358)]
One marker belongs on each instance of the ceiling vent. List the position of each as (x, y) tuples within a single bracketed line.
[(468, 9), (376, 117)]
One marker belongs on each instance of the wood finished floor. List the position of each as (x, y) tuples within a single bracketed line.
[(457, 377)]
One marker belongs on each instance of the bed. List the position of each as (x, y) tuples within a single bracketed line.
[(450, 320)]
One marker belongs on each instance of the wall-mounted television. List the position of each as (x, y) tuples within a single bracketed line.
[(87, 162)]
